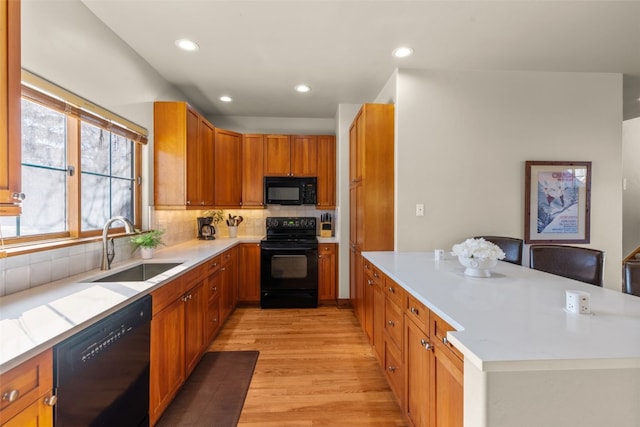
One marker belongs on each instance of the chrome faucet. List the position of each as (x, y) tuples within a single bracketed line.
[(108, 249)]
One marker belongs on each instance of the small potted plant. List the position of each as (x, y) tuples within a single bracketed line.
[(147, 242)]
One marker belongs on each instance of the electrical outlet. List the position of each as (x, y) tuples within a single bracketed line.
[(419, 209)]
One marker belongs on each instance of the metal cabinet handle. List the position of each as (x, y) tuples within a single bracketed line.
[(414, 311), (375, 275), (51, 400), (11, 396), (392, 368), (214, 289), (393, 291), (426, 344), (370, 282), (391, 323), (445, 340)]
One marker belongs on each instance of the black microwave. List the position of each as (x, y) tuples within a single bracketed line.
[(280, 190)]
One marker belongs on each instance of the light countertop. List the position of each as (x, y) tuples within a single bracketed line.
[(516, 319), (38, 318)]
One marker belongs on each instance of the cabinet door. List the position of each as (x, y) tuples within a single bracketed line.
[(10, 125), (195, 333), (378, 321), (418, 352), (193, 153), (447, 388), (228, 169), (277, 155), (228, 283), (38, 414), (249, 273), (252, 171), (327, 271), (167, 367), (304, 155), (326, 172), (205, 163), (213, 308)]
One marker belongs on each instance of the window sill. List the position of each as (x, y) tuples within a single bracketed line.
[(31, 247)]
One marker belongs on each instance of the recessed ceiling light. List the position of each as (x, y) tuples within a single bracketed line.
[(402, 52), (186, 44), (225, 98), (302, 88)]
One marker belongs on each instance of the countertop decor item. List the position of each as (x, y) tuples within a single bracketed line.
[(479, 256), (147, 242), (233, 222)]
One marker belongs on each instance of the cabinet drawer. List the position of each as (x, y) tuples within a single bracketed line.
[(438, 330), (327, 249), (393, 322), (213, 286), (226, 257), (394, 292), (213, 317), (164, 296), (212, 265), (193, 276), (394, 370), (24, 384), (372, 272), (418, 312)]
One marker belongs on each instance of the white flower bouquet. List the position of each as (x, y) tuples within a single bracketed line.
[(478, 249)]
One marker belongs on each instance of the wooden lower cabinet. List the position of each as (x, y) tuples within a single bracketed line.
[(423, 369), (178, 337), (228, 282), (327, 272), (27, 393), (249, 273)]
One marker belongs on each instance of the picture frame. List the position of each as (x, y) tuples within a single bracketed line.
[(557, 201)]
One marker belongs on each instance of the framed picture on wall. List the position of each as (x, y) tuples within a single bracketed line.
[(557, 202)]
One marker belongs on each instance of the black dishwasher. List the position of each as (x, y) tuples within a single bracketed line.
[(101, 374)]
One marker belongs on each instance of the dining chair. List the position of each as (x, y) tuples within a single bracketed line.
[(583, 264), (511, 247), (632, 278)]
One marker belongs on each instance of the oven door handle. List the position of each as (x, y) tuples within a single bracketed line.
[(298, 248)]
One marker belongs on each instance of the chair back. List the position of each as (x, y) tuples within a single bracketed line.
[(632, 278), (511, 247), (583, 264)]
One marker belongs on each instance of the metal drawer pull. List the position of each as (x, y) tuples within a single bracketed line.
[(393, 291), (392, 368), (51, 400), (11, 396), (445, 340), (426, 344), (414, 311), (375, 275), (369, 282), (391, 323)]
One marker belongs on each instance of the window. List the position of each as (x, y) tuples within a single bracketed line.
[(78, 170)]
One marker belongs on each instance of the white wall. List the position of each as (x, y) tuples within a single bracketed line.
[(631, 195), (275, 125), (463, 137)]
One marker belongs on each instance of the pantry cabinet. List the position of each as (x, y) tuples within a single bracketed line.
[(291, 155), (253, 171), (183, 157), (10, 124), (27, 393), (227, 169)]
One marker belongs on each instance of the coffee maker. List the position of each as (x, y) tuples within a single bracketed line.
[(206, 231)]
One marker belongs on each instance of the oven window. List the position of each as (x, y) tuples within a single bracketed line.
[(289, 266)]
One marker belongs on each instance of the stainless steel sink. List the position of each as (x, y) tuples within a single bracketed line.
[(139, 273)]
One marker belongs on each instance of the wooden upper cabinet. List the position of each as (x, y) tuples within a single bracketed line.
[(10, 125), (252, 171), (304, 155), (291, 155), (277, 155), (326, 191), (183, 157), (228, 169)]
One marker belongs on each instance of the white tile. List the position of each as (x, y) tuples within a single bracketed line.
[(77, 249), (40, 273), (17, 261), (77, 264), (16, 279), (60, 268), (38, 257), (59, 253)]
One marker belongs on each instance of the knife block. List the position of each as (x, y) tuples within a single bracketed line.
[(326, 229)]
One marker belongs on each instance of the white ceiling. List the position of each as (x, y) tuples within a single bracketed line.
[(256, 51)]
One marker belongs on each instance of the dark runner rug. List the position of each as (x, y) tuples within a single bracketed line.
[(214, 394)]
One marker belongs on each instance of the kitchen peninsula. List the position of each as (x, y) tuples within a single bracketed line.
[(528, 362)]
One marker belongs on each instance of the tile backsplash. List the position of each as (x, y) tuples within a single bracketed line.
[(22, 272)]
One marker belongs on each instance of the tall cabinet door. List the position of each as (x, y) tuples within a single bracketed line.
[(228, 169), (304, 155), (326, 172), (10, 125), (252, 171)]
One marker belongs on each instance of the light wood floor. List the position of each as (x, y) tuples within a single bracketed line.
[(315, 368)]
